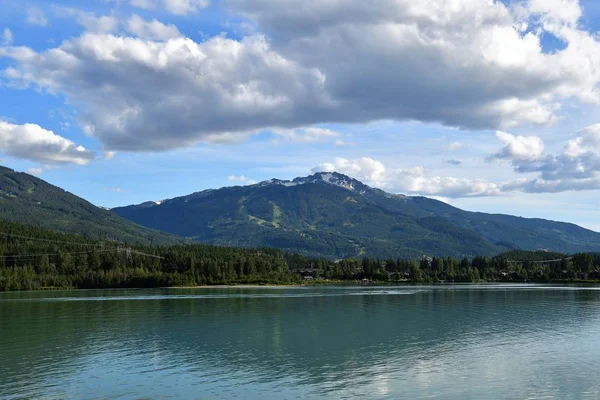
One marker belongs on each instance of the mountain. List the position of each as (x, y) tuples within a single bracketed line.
[(29, 200), (332, 215)]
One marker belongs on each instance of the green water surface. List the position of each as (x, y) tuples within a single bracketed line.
[(450, 342)]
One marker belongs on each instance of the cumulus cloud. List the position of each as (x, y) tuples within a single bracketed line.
[(523, 148), (416, 181), (576, 167), (153, 30), (144, 95), (463, 63), (241, 178), (184, 7), (34, 143), (177, 7), (36, 16), (324, 167), (90, 21), (410, 180), (7, 37), (556, 12)]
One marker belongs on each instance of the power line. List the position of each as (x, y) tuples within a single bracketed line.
[(129, 252), (118, 250), (50, 240), (54, 254), (145, 254)]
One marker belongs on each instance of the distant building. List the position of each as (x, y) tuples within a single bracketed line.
[(313, 273)]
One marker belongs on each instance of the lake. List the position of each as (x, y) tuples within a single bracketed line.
[(451, 342)]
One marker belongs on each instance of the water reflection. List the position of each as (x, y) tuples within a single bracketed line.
[(455, 342)]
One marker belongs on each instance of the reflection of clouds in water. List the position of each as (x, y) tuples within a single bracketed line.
[(308, 342), (381, 380)]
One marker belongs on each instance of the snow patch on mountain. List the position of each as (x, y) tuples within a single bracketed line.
[(327, 177), (331, 178)]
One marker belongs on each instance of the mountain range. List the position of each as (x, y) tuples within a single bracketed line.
[(325, 214), (335, 216)]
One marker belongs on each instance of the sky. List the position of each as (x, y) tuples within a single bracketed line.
[(490, 106)]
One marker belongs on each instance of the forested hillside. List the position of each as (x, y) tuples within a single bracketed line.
[(29, 200), (36, 258), (324, 215), (335, 216)]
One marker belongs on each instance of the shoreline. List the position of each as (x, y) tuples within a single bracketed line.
[(244, 286), (588, 283)]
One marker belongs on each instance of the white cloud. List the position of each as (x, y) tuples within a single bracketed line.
[(416, 181), (526, 148), (34, 171), (153, 30), (226, 137), (36, 16), (183, 7), (7, 37), (144, 4), (576, 167), (556, 12), (463, 63), (177, 7), (241, 178), (90, 21), (312, 134), (324, 167), (144, 95), (34, 143), (109, 155), (101, 24), (586, 142), (410, 181)]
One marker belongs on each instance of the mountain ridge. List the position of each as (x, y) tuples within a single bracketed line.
[(333, 215), (27, 199)]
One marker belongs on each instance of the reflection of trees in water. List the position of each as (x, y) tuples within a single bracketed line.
[(329, 340)]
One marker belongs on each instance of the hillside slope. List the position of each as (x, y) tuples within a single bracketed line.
[(28, 200), (335, 216)]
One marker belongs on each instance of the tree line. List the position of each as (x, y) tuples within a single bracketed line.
[(580, 267), (35, 258)]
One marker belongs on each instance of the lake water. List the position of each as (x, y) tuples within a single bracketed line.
[(451, 342)]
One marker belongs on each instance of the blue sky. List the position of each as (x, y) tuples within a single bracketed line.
[(488, 106)]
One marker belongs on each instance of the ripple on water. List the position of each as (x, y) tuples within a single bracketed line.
[(216, 296), (344, 342)]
